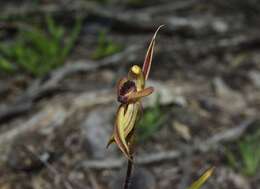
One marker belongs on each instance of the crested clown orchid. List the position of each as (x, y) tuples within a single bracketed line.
[(130, 91)]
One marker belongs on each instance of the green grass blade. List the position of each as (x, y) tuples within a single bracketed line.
[(198, 184)]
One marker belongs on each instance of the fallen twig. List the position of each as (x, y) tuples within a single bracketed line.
[(56, 115), (145, 20), (225, 136), (40, 89), (86, 66), (169, 7), (223, 45)]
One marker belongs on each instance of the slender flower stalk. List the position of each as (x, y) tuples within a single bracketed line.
[(130, 90)]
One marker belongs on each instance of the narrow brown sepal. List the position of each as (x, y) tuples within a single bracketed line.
[(149, 55)]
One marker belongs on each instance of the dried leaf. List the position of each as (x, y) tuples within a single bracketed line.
[(183, 130)]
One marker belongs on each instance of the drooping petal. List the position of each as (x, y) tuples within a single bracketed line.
[(131, 119), (119, 134), (125, 121), (149, 55), (128, 120), (134, 96)]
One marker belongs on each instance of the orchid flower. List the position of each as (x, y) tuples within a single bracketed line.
[(130, 91)]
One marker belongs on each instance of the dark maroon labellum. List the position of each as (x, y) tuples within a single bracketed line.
[(128, 87), (122, 99)]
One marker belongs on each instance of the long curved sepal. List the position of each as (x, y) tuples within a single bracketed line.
[(130, 115), (125, 121), (149, 55), (119, 131)]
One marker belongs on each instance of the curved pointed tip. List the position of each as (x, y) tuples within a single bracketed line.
[(161, 26), (149, 55), (109, 142)]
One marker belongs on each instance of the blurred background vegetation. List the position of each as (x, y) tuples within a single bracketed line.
[(60, 61)]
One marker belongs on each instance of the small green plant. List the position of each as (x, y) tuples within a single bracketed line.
[(105, 47), (37, 52), (246, 154), (202, 179), (250, 154), (6, 66), (150, 121)]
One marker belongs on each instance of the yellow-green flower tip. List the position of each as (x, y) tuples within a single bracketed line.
[(136, 70)]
